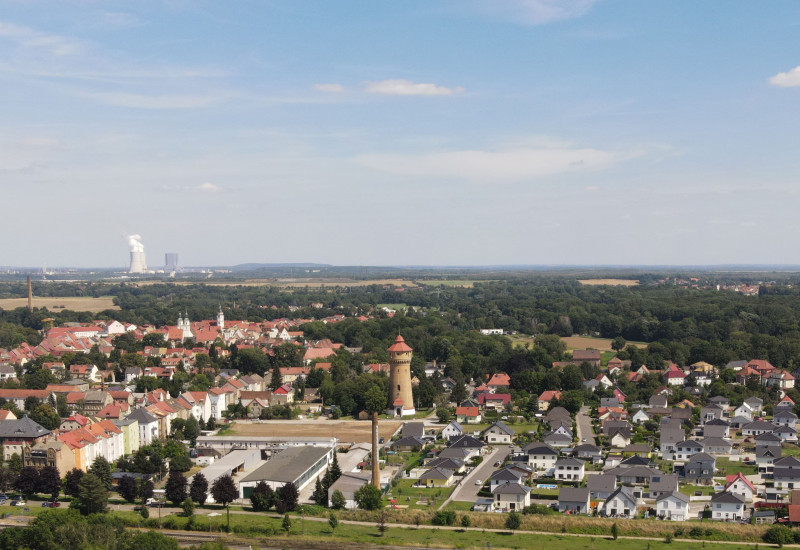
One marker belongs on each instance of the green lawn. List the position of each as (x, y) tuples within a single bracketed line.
[(406, 495), (790, 449), (458, 506), (519, 427), (728, 467)]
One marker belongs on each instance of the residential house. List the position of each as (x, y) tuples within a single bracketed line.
[(201, 404), (716, 446), (406, 444), (673, 506), (716, 428), (658, 401), (130, 434), (556, 439), (219, 402), (511, 497), (785, 403), (622, 503), (17, 434), (765, 458), (786, 434), (49, 452), (786, 473), (468, 415), (744, 410), (453, 429), (498, 433), (601, 486), (710, 412), (721, 401), (148, 426), (662, 485), (499, 382), (574, 500), (540, 456), (569, 469), (505, 475), (670, 436), (619, 437), (494, 401), (436, 477), (740, 485), (785, 418), (757, 428), (699, 469), (587, 451), (755, 404), (547, 398), (640, 417), (727, 506)]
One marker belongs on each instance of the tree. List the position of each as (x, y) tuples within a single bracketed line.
[(369, 497), (15, 463), (92, 496), (375, 399), (333, 521), (336, 471), (287, 498), (382, 517), (224, 490), (61, 405), (338, 502), (211, 424), (188, 507), (49, 481), (513, 521), (102, 469), (199, 489), (128, 488), (443, 414), (146, 490), (465, 521), (45, 416), (276, 381), (27, 481), (175, 489), (262, 498), (72, 482), (319, 496), (614, 530), (286, 524), (181, 463), (191, 430)]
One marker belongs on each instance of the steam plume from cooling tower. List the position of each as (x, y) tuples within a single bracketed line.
[(138, 263)]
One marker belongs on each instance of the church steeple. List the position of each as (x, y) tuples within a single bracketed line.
[(220, 319)]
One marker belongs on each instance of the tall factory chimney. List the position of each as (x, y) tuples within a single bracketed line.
[(376, 469), (30, 294)]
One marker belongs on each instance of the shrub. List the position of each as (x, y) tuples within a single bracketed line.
[(465, 521), (443, 517), (779, 534), (514, 521)]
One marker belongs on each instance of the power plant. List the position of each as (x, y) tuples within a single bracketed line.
[(170, 262), (138, 262)]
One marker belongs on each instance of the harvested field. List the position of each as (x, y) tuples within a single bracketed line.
[(602, 344), (356, 431), (613, 282), (53, 304)]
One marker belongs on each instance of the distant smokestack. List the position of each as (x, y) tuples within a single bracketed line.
[(376, 470), (138, 262), (30, 294)]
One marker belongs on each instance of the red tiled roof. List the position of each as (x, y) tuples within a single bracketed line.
[(399, 345)]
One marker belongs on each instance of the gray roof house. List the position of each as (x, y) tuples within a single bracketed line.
[(664, 484), (601, 485), (716, 428), (573, 500), (621, 503), (716, 446), (710, 412), (699, 469)]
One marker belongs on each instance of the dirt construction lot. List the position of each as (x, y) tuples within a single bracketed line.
[(345, 430), (72, 303)]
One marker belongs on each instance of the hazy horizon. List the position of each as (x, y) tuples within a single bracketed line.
[(426, 133)]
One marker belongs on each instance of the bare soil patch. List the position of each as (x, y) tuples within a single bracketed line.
[(584, 342), (53, 304), (356, 431)]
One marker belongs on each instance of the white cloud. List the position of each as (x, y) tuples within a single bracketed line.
[(515, 164), (33, 39), (406, 87), (209, 187), (333, 88), (789, 79), (537, 12)]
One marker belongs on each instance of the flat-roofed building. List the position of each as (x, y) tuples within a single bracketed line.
[(298, 465), (234, 464)]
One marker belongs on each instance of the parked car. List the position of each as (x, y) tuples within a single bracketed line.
[(498, 463), (478, 482), (3, 498), (138, 508), (55, 504), (18, 503), (46, 504)]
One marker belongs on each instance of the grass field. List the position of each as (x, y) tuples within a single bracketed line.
[(612, 282), (354, 431), (519, 427), (72, 303), (460, 283), (730, 467), (408, 496), (586, 342)]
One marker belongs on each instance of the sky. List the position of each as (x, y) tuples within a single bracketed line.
[(421, 132)]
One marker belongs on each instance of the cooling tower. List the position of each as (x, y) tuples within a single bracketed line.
[(138, 263)]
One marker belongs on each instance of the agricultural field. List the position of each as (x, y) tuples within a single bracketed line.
[(347, 431), (609, 282), (586, 342), (72, 303), (299, 282), (459, 283)]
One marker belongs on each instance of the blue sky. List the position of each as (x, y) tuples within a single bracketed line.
[(414, 132)]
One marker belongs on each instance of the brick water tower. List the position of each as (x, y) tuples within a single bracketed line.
[(401, 402)]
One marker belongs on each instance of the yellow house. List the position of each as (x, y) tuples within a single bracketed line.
[(437, 477)]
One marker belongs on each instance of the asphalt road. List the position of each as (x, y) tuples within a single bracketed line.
[(584, 424), (466, 490)]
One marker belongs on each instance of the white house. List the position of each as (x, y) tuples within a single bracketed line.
[(622, 503), (200, 403), (727, 506), (453, 429), (740, 485), (744, 410), (540, 455), (569, 469), (511, 497), (148, 426), (498, 433), (673, 506)]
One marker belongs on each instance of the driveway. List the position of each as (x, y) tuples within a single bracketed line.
[(466, 490), (584, 424)]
